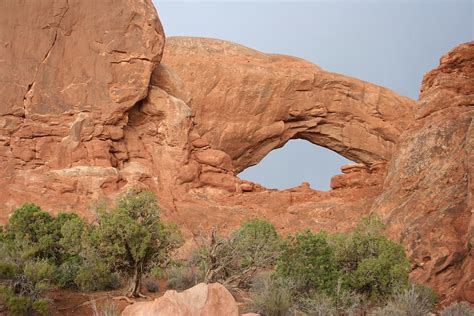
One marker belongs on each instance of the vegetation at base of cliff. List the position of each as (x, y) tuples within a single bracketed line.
[(232, 261), (311, 273), (41, 251)]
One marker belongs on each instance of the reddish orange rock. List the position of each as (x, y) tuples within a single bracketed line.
[(87, 110), (427, 201)]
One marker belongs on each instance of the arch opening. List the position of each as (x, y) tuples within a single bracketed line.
[(296, 162)]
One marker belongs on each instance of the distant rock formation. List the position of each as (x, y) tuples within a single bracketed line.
[(93, 102)]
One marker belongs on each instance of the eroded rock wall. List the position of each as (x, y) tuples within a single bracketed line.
[(427, 200), (88, 109), (70, 73)]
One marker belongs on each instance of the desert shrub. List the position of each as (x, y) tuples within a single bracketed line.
[(35, 229), (18, 304), (35, 234), (131, 239), (95, 275), (338, 302), (72, 234), (344, 272), (308, 259), (317, 305), (234, 260), (368, 262), (67, 272), (109, 310), (415, 300), (182, 277), (41, 306), (38, 277), (458, 309), (272, 295), (8, 270), (157, 272), (257, 243)]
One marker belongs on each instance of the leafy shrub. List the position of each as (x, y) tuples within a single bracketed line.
[(38, 277), (8, 270), (19, 304), (67, 272), (41, 306), (308, 259), (131, 239), (35, 228), (257, 243), (72, 231), (415, 300), (369, 263), (272, 295), (95, 275), (458, 309)]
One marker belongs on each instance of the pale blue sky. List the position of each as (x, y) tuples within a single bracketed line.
[(390, 43)]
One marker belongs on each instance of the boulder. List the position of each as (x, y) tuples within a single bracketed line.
[(200, 300)]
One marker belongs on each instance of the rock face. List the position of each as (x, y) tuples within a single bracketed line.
[(427, 200), (89, 108), (201, 300), (70, 76)]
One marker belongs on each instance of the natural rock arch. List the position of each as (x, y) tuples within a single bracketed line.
[(246, 103)]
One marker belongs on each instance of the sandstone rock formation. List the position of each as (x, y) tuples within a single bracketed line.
[(259, 101), (70, 74), (200, 300), (88, 108), (427, 200)]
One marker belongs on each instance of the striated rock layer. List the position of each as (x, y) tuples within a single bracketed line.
[(93, 102)]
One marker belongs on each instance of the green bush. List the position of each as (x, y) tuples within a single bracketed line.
[(369, 263), (257, 243), (308, 259), (8, 270), (458, 309), (131, 239), (95, 275), (72, 231), (41, 306), (67, 272), (16, 304)]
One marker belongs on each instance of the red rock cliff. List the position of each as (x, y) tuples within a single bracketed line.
[(88, 109)]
